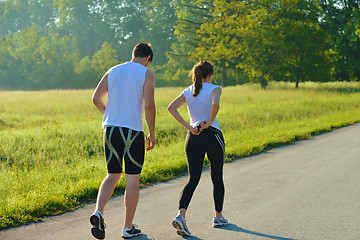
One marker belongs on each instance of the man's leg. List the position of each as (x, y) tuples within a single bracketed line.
[(106, 190), (131, 197)]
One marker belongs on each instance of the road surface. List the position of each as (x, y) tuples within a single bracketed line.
[(306, 190)]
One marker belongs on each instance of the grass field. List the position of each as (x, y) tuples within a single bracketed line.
[(51, 141)]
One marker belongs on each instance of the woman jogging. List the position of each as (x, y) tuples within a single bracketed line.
[(204, 136)]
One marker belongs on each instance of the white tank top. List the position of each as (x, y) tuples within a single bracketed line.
[(125, 103), (199, 107)]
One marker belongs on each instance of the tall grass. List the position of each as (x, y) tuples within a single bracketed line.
[(51, 141)]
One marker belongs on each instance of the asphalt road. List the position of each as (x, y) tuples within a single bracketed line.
[(306, 190)]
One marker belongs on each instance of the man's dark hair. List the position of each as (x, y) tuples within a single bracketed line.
[(143, 50)]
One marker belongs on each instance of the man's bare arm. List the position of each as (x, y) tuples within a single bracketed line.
[(100, 92), (150, 109)]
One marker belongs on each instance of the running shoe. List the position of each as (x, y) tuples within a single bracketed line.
[(98, 229), (218, 222), (130, 232), (180, 224)]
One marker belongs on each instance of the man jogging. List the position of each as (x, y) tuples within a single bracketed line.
[(130, 88)]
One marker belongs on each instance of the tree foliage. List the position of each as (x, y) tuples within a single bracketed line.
[(341, 19), (191, 14), (100, 33), (33, 58), (268, 40), (71, 43)]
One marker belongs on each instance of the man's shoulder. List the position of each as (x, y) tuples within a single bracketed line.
[(150, 74), (116, 67)]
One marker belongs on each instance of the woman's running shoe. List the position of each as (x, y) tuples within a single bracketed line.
[(98, 229), (130, 232), (218, 222), (179, 223)]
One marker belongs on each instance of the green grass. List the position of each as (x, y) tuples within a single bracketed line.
[(51, 141)]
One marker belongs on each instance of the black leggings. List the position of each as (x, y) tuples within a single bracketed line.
[(211, 142)]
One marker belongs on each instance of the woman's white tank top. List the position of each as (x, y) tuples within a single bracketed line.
[(199, 107), (125, 102)]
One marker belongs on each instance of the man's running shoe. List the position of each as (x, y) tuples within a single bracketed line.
[(130, 232), (218, 222), (98, 229), (180, 224)]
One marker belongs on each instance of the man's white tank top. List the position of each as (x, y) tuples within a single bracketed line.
[(199, 107), (125, 102)]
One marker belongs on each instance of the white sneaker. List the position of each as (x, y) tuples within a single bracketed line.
[(98, 229), (218, 222), (179, 223), (130, 232)]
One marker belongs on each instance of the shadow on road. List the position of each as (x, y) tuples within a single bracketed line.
[(143, 237), (233, 227), (192, 238)]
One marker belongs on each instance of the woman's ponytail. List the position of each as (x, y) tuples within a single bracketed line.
[(197, 80), (199, 72)]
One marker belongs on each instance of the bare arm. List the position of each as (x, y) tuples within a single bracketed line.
[(100, 92), (215, 97), (150, 109), (172, 108)]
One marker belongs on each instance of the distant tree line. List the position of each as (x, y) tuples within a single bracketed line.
[(48, 44)]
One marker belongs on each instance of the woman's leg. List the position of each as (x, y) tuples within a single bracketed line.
[(195, 163), (216, 158), (217, 179)]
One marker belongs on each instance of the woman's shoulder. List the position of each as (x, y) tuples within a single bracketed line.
[(188, 89), (211, 86)]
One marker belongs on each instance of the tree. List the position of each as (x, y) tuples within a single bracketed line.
[(17, 15), (122, 24), (357, 21), (190, 15), (160, 18), (268, 40), (221, 40), (340, 18), (84, 20), (304, 44), (34, 58)]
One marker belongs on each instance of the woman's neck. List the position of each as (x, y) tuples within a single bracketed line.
[(208, 79)]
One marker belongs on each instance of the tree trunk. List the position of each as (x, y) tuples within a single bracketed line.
[(223, 74), (263, 83)]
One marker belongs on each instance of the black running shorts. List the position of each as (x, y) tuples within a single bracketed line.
[(121, 142)]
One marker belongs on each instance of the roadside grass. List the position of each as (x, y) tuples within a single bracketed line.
[(51, 141)]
